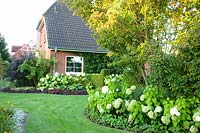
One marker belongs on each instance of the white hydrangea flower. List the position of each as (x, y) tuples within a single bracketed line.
[(105, 89), (133, 87), (117, 103), (97, 93), (142, 97), (150, 114), (50, 88), (130, 118), (101, 110), (193, 129), (174, 111), (196, 117), (158, 109), (128, 91), (108, 106), (130, 107), (98, 106), (117, 90), (42, 79), (165, 120), (126, 103), (145, 108)]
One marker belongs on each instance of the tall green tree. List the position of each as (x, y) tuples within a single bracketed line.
[(3, 50), (125, 27)]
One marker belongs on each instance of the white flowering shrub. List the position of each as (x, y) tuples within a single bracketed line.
[(114, 105), (59, 81)]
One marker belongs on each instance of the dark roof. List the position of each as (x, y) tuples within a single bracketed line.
[(15, 48), (68, 32)]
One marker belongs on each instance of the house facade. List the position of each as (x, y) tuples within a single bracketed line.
[(63, 36), (19, 52)]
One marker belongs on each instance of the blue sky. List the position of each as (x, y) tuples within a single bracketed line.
[(19, 19)]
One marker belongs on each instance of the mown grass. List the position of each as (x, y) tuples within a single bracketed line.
[(54, 113)]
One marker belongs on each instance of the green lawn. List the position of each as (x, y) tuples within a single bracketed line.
[(54, 113)]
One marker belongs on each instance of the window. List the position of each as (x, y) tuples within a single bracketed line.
[(74, 64)]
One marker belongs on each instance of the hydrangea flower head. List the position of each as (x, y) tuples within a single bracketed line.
[(128, 91), (193, 129), (174, 111), (142, 97), (165, 120), (133, 87), (158, 109), (117, 103), (151, 114), (130, 118), (105, 89), (145, 108), (130, 107), (196, 117), (101, 110), (97, 93), (108, 106)]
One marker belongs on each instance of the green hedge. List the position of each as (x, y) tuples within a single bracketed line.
[(98, 79)]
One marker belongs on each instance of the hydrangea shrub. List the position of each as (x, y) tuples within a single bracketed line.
[(59, 81), (114, 103)]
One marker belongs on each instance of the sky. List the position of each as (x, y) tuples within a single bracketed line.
[(19, 19)]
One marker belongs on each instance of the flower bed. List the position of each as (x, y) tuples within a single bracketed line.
[(115, 105), (54, 91)]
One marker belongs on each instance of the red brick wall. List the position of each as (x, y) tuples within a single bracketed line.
[(43, 49), (42, 42), (61, 60)]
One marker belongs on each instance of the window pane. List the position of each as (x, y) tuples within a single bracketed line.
[(78, 69), (78, 64), (74, 64)]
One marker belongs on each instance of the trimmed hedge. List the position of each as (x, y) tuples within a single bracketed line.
[(98, 79)]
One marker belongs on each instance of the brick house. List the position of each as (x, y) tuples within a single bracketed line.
[(19, 52), (63, 36)]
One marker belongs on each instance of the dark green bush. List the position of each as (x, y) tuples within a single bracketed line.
[(177, 75)]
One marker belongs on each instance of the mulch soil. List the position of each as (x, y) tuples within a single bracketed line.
[(55, 91)]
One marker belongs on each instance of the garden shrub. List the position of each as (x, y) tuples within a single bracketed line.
[(97, 80), (115, 105), (176, 75), (64, 82), (17, 77), (27, 70), (5, 83), (6, 122), (94, 62)]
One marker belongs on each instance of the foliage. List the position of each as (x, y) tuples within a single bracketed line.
[(17, 77), (6, 122), (36, 68), (93, 62), (3, 67), (3, 50), (115, 105), (63, 82), (125, 28), (6, 83), (97, 80)]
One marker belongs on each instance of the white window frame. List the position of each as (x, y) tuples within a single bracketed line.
[(74, 73)]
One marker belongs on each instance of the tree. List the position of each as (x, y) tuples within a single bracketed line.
[(125, 28), (3, 50), (139, 31)]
